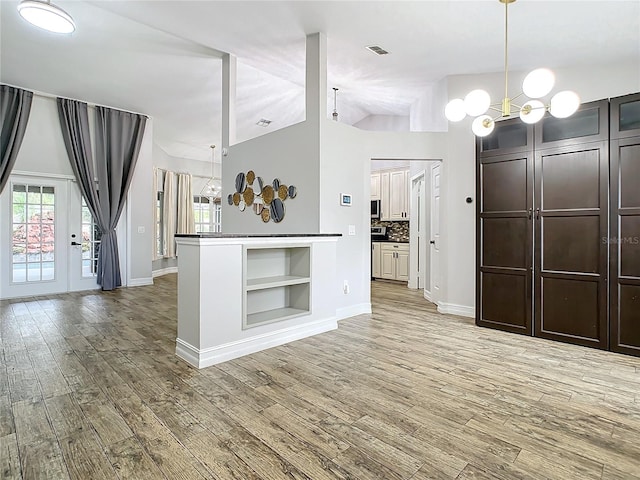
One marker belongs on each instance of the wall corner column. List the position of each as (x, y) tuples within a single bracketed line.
[(316, 77), (229, 81)]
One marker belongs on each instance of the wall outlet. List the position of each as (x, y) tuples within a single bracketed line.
[(352, 229), (345, 287), (140, 229)]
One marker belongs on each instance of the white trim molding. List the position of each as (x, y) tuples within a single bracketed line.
[(428, 297), (164, 271), (140, 282), (222, 353), (453, 309), (353, 310)]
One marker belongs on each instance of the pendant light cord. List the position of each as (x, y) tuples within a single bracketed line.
[(506, 50)]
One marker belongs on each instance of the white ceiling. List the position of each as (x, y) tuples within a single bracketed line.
[(162, 57)]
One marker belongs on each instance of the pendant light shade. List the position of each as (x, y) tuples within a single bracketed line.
[(483, 126), (538, 83), (564, 104), (477, 102), (47, 16), (532, 111), (455, 110)]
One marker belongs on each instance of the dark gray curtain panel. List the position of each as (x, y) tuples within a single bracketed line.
[(15, 106), (118, 139)]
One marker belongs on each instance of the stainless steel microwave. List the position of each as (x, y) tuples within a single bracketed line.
[(375, 208)]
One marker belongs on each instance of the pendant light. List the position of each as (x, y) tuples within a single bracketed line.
[(45, 15), (213, 187), (335, 104), (536, 85)]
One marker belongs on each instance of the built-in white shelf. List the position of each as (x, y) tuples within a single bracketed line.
[(275, 281), (277, 284)]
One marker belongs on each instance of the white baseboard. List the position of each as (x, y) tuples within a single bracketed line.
[(139, 282), (164, 271), (453, 309), (228, 351), (353, 310), (427, 296)]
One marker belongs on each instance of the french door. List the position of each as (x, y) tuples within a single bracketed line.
[(43, 247)]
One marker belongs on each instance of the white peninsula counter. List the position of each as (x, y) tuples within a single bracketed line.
[(239, 294)]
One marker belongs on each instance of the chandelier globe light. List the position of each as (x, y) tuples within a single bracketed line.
[(213, 187), (45, 15), (536, 85)]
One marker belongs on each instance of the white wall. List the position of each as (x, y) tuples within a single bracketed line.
[(345, 168), (290, 154), (384, 123), (458, 226), (43, 152), (427, 111)]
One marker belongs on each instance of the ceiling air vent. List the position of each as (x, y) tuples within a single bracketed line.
[(263, 122), (377, 50)]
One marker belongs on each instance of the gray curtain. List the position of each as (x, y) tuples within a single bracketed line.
[(118, 139), (15, 106)]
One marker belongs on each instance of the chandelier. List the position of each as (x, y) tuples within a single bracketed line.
[(213, 187), (537, 84)]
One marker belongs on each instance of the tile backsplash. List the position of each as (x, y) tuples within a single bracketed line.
[(396, 231)]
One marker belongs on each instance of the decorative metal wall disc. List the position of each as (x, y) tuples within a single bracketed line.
[(251, 176), (267, 194), (266, 215), (240, 183), (283, 192), (293, 191), (248, 196), (236, 199), (276, 184), (277, 210)]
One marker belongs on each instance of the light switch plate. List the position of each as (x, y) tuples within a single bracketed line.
[(140, 229)]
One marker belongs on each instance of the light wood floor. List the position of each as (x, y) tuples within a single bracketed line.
[(90, 388)]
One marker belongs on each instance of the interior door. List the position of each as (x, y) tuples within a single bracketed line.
[(434, 243), (571, 256), (624, 237), (505, 201), (624, 242), (33, 252)]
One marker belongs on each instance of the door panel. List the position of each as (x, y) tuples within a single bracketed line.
[(571, 180), (388, 264), (434, 244), (571, 258), (624, 242), (33, 251), (570, 308), (571, 244), (505, 186), (505, 301)]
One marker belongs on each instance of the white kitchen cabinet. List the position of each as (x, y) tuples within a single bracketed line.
[(394, 261), (375, 186), (394, 194), (376, 259)]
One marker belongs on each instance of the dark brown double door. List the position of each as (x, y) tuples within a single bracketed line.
[(542, 238), (625, 224)]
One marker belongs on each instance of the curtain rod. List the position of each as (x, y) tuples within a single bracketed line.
[(51, 95), (184, 173)]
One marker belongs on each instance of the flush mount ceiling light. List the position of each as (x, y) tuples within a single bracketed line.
[(43, 14), (536, 85), (263, 122)]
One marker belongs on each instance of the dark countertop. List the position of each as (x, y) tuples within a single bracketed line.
[(390, 241), (254, 235)]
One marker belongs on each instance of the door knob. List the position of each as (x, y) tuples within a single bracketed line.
[(75, 244), (432, 242)]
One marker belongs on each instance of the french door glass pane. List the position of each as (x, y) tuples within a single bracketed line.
[(90, 243), (33, 238)]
